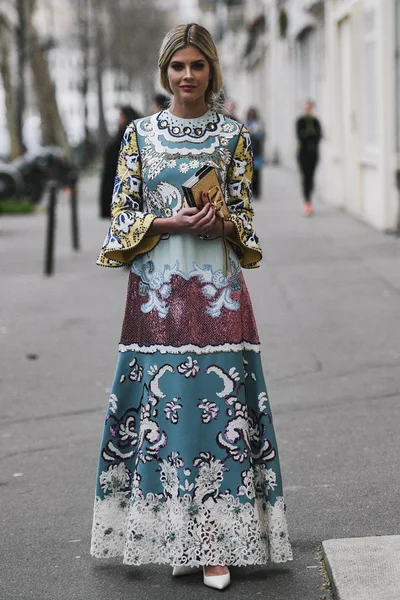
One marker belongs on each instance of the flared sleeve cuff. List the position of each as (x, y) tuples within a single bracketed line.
[(127, 238), (245, 243), (239, 188), (128, 234)]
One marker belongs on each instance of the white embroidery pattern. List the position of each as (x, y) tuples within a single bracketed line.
[(217, 288), (178, 132), (189, 348), (178, 531)]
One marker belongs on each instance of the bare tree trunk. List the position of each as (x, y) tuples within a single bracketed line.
[(84, 44), (135, 33), (52, 127), (147, 82), (21, 55), (16, 146), (99, 69), (102, 126)]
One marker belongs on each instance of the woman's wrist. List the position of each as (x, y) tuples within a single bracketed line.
[(161, 225), (230, 228)]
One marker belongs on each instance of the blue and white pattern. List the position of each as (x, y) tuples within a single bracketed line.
[(189, 470)]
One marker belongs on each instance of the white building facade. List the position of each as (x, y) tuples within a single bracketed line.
[(343, 54), (362, 41)]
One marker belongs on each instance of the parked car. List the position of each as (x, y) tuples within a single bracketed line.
[(27, 176), (11, 182)]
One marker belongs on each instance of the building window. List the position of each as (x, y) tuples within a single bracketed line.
[(370, 84)]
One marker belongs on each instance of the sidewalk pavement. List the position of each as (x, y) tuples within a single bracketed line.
[(327, 304), (364, 568)]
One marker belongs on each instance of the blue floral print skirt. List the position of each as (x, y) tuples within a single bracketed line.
[(189, 469)]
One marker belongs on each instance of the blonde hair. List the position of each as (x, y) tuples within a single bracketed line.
[(195, 35)]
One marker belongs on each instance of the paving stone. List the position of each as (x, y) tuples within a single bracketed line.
[(364, 568)]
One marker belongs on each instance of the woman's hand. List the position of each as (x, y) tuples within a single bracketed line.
[(195, 221), (217, 230), (188, 220), (222, 227), (192, 220)]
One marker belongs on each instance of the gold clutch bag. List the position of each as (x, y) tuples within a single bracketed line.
[(206, 180)]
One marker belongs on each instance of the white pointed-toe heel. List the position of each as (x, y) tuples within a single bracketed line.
[(218, 582), (184, 570)]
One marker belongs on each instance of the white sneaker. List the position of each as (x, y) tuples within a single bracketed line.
[(218, 582), (184, 570)]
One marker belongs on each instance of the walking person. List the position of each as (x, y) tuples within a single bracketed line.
[(309, 135), (257, 135), (189, 471), (110, 160)]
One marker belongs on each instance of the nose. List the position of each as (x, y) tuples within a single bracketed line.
[(188, 72)]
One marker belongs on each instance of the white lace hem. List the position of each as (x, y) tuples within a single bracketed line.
[(191, 348), (179, 532)]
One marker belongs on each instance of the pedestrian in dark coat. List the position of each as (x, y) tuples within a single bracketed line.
[(309, 135), (126, 115), (257, 136)]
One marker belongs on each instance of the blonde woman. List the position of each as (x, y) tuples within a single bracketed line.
[(189, 471)]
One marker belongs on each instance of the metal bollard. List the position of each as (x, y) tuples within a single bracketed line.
[(398, 189), (74, 216), (51, 226)]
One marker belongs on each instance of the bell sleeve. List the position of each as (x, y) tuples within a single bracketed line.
[(240, 173), (126, 237)]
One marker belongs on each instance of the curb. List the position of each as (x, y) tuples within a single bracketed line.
[(363, 568)]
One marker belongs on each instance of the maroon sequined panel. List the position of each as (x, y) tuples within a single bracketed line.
[(187, 321)]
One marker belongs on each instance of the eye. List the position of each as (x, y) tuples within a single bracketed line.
[(177, 66), (199, 66)]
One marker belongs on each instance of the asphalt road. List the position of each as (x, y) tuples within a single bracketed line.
[(327, 301)]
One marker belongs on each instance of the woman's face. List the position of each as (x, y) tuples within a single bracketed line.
[(188, 75), (309, 108)]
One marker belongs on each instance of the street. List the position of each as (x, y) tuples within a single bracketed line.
[(327, 303)]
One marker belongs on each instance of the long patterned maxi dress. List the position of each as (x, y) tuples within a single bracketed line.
[(189, 470)]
